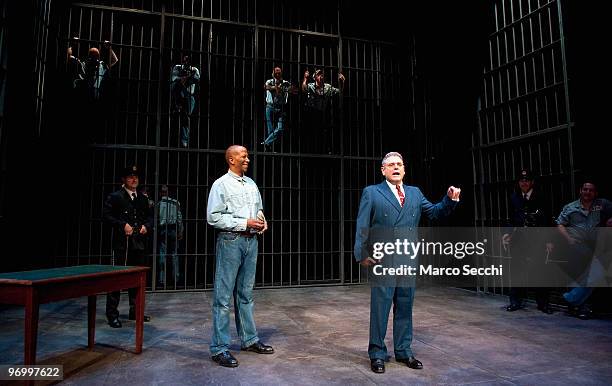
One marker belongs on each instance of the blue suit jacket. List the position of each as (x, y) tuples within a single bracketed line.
[(380, 215)]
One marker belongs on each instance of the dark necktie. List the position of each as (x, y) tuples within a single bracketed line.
[(400, 194), (133, 196), (525, 196)]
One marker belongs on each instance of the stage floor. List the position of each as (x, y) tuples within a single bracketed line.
[(321, 336)]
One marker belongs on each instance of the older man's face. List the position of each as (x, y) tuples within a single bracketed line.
[(393, 170)]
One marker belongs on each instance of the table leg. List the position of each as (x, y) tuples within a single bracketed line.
[(31, 327), (91, 321), (140, 306)]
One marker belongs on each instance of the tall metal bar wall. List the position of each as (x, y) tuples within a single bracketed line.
[(310, 192), (524, 115), (3, 75)]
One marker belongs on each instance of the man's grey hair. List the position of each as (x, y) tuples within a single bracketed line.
[(391, 154)]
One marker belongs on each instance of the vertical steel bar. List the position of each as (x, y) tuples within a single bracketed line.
[(158, 135), (341, 190), (566, 92)]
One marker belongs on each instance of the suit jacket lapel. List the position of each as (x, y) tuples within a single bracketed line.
[(388, 194)]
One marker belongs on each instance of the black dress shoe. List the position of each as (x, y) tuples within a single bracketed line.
[(259, 348), (546, 309), (114, 323), (513, 307), (132, 316), (377, 366), (225, 359), (584, 313), (411, 362)]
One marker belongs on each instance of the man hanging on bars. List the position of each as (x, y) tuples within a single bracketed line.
[(74, 67), (319, 94), (93, 89), (97, 71), (184, 78), (277, 93), (131, 218), (235, 209)]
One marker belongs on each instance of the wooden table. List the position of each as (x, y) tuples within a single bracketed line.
[(32, 288)]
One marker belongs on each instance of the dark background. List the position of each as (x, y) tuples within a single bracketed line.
[(54, 176)]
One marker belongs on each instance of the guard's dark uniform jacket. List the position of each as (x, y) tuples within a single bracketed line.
[(529, 213), (528, 246), (120, 209)]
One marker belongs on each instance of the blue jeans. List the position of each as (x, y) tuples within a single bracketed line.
[(183, 103), (274, 121), (578, 295), (166, 242), (581, 255), (236, 260), (185, 117)]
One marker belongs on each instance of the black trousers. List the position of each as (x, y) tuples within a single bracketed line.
[(134, 257), (528, 258), (518, 294)]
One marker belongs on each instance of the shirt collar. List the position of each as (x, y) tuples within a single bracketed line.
[(130, 192), (236, 176), (393, 187), (580, 206)]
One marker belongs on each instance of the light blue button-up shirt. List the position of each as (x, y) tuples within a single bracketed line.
[(232, 201)]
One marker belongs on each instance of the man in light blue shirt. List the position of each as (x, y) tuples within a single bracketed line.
[(235, 209)]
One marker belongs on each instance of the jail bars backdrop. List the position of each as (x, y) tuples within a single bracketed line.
[(310, 179), (3, 73), (524, 115)]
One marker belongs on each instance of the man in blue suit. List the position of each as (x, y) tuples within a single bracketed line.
[(391, 210)]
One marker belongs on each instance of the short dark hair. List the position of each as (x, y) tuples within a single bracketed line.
[(588, 180)]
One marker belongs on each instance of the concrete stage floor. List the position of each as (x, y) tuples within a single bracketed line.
[(321, 337)]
